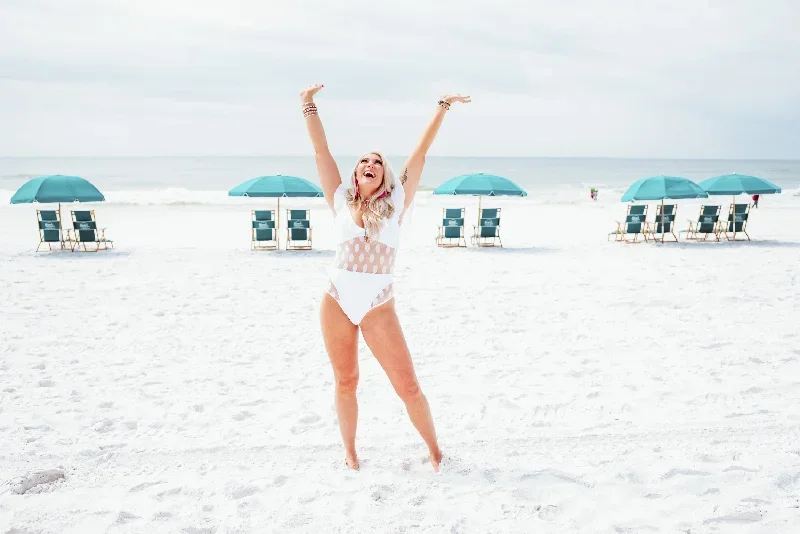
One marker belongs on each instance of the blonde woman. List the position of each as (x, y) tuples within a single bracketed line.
[(368, 209)]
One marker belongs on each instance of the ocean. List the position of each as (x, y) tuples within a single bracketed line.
[(155, 180)]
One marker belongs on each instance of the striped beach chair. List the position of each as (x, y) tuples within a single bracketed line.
[(264, 235), (487, 232), (50, 231), (452, 228), (85, 231), (634, 224), (298, 230)]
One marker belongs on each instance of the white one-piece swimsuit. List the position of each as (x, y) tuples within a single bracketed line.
[(361, 275)]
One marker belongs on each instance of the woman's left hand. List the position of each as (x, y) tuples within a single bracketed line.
[(455, 97)]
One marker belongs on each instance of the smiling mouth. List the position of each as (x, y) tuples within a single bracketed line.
[(369, 174)]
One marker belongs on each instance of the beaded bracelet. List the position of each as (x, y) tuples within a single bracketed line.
[(309, 108), (445, 105)]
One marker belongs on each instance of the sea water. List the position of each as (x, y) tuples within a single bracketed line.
[(189, 180)]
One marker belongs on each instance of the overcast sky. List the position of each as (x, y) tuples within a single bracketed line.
[(617, 78)]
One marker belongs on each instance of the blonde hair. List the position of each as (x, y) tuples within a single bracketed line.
[(380, 205)]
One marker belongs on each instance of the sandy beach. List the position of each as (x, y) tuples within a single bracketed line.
[(179, 383)]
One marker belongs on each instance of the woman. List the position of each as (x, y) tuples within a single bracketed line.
[(368, 209)]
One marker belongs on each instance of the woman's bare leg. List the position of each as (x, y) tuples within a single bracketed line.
[(341, 342), (384, 336)]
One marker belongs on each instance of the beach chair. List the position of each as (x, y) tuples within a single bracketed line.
[(298, 230), (487, 232), (707, 224), (85, 231), (50, 230), (452, 228), (664, 223), (634, 224), (264, 235), (737, 221)]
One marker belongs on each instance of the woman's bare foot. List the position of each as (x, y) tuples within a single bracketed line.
[(352, 462), (436, 459)]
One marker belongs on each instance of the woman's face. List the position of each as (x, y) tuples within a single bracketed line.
[(369, 174)]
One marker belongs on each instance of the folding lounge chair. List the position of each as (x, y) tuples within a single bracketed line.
[(298, 230), (452, 228), (487, 232), (737, 221), (84, 231), (50, 230), (707, 224), (634, 224), (664, 223), (264, 235)]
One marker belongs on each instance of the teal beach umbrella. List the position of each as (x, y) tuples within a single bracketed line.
[(480, 184), (276, 187), (661, 187), (737, 184), (57, 188)]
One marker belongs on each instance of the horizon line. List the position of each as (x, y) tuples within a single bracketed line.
[(255, 156)]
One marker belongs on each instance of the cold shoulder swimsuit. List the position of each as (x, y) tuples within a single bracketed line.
[(361, 275)]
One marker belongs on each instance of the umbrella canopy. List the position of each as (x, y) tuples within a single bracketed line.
[(737, 184), (480, 184), (276, 186), (661, 187), (57, 188)]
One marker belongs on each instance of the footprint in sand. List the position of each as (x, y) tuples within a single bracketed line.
[(308, 422), (740, 519), (196, 530), (491, 475), (144, 485), (683, 472), (554, 476), (240, 492), (280, 480), (40, 482), (380, 493), (548, 512), (126, 517)]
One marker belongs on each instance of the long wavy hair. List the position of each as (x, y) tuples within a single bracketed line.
[(377, 207)]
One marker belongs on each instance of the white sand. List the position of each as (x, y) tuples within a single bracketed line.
[(179, 383)]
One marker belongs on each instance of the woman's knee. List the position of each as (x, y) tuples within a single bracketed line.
[(408, 390), (347, 382)]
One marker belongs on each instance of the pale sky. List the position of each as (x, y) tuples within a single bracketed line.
[(616, 78)]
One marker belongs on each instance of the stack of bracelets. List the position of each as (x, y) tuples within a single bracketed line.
[(309, 108)]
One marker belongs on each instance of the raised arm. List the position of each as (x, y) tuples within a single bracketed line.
[(412, 170), (329, 176)]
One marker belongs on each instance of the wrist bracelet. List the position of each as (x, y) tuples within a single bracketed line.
[(309, 108), (445, 105)]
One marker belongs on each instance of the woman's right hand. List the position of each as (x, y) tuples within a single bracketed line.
[(307, 94)]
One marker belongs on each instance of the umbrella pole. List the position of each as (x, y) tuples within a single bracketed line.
[(476, 230), (278, 223)]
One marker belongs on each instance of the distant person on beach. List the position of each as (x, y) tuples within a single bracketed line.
[(368, 210), (593, 193), (755, 200)]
